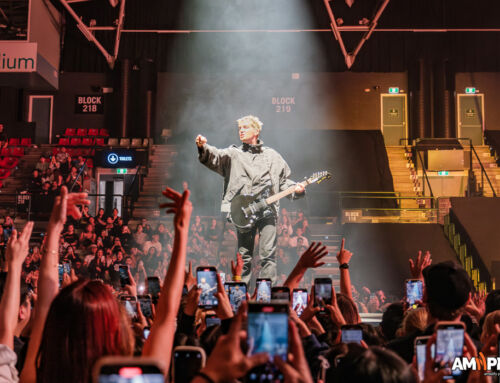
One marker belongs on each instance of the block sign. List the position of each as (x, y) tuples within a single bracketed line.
[(89, 104)]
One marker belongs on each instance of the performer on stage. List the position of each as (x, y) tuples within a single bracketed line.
[(251, 168)]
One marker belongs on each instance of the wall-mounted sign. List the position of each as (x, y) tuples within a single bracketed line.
[(17, 56), (394, 90), (117, 158), (89, 104), (470, 90)]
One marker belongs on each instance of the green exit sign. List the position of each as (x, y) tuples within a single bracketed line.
[(393, 90), (470, 90), (443, 173), (121, 171)]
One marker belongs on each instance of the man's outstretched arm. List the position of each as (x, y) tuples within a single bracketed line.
[(215, 159)]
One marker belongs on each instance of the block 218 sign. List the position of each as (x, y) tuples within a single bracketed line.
[(89, 104)]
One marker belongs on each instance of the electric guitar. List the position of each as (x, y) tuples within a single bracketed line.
[(246, 209)]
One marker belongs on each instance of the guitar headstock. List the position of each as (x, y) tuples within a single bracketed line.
[(319, 177)]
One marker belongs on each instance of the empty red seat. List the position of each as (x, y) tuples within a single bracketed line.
[(81, 132), (103, 132), (17, 152), (75, 142), (87, 141), (9, 162), (63, 141), (93, 132), (14, 142), (70, 132), (99, 142), (90, 163), (4, 173), (5, 152), (25, 141)]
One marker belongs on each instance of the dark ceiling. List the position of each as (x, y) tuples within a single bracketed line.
[(385, 51), (13, 19)]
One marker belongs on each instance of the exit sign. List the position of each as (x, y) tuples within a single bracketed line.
[(470, 90), (443, 173), (393, 90), (121, 171)]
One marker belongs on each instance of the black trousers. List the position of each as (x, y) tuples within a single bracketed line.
[(267, 249)]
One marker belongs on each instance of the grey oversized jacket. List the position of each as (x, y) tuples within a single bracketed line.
[(235, 165)]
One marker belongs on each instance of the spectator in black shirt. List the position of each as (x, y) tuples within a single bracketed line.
[(70, 236), (212, 232)]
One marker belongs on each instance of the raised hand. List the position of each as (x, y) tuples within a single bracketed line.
[(191, 301), (312, 256), (224, 309), (189, 279), (297, 369), (18, 247), (310, 311), (180, 206), (419, 264), (237, 269), (334, 310), (343, 256), (227, 362), (67, 204), (200, 140)]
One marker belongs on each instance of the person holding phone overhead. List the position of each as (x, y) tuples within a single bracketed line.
[(251, 168)]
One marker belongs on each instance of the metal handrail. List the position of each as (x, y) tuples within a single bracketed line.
[(483, 171), (425, 177)]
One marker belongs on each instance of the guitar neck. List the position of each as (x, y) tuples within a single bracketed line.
[(284, 193)]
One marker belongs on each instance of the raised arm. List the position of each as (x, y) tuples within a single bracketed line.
[(16, 252), (48, 281), (160, 341), (343, 258), (309, 259), (215, 159)]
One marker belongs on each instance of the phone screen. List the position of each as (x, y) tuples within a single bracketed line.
[(145, 302), (414, 291), (207, 282), (124, 279), (186, 365), (352, 335), (130, 306), (268, 329), (153, 286), (299, 302), (449, 345), (264, 290), (421, 352), (280, 293), (323, 294), (236, 293), (130, 374), (212, 321), (60, 268)]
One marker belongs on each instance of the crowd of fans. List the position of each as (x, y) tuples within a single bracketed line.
[(77, 319)]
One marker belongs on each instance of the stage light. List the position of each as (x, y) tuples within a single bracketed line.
[(114, 3), (349, 3)]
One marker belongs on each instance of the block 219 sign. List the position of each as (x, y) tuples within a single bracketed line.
[(89, 104), (283, 104)]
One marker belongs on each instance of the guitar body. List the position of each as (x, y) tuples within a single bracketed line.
[(246, 210)]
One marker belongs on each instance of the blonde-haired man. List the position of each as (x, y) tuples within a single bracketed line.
[(251, 168)]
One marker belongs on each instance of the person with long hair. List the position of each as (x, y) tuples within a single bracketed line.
[(84, 323)]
